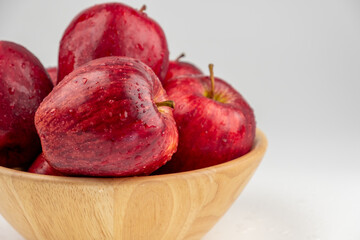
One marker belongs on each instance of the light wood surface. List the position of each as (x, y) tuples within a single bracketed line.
[(173, 206)]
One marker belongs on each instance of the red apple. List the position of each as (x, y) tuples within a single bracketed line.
[(215, 122), (109, 117), (113, 29), (52, 71), (23, 84), (178, 68), (41, 166)]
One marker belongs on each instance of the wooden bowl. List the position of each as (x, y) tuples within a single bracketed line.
[(172, 206)]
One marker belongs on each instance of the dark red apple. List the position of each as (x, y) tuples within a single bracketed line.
[(113, 29), (178, 68), (215, 122), (52, 71), (41, 166), (109, 117), (23, 84)]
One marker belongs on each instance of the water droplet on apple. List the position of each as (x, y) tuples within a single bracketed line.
[(224, 140), (52, 111), (110, 114), (71, 110), (85, 80), (123, 115), (12, 90), (23, 65), (141, 47), (111, 101), (162, 133)]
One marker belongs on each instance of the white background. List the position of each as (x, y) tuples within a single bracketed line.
[(298, 65)]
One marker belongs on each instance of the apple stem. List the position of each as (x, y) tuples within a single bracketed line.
[(143, 8), (212, 89), (168, 103), (180, 56)]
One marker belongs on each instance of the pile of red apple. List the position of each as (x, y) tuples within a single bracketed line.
[(115, 105)]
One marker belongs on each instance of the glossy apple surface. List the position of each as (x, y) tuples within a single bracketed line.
[(113, 29), (103, 120), (41, 166), (52, 71), (178, 68), (211, 130), (23, 84)]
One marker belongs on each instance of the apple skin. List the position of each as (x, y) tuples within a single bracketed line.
[(113, 29), (52, 71), (23, 85), (102, 120), (210, 131), (178, 68), (41, 166)]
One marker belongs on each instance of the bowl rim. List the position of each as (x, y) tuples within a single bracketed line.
[(259, 148)]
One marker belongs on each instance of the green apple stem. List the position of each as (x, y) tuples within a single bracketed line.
[(143, 8), (180, 56), (168, 103), (212, 89)]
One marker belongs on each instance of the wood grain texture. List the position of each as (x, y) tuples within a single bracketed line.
[(174, 206)]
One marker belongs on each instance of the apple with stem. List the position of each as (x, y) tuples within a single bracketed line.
[(110, 117), (215, 122), (23, 85), (113, 29), (178, 68)]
